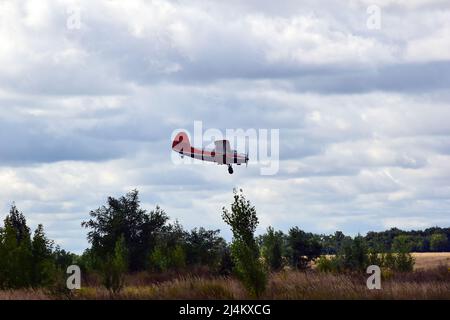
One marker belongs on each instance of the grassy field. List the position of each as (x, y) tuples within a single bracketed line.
[(429, 260), (430, 280)]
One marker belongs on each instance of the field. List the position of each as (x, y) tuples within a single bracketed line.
[(429, 260), (430, 280)]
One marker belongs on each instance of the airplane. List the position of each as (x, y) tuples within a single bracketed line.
[(221, 154)]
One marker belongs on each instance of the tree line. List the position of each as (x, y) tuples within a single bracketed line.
[(125, 238)]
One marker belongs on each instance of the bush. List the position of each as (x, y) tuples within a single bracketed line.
[(332, 264), (272, 248), (399, 262), (165, 258), (226, 264), (404, 262), (115, 267)]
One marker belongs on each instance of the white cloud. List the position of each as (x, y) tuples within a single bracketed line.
[(362, 114)]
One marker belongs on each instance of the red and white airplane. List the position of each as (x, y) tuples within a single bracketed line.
[(221, 154)]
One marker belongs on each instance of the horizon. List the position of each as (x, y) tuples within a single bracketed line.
[(226, 234)]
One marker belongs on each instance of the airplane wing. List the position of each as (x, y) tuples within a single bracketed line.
[(223, 146), (222, 151)]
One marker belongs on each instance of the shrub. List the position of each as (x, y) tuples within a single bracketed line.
[(115, 267), (272, 248), (404, 262), (331, 264), (165, 258)]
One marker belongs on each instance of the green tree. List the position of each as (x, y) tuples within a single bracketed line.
[(124, 217), (304, 247), (169, 250), (438, 242), (115, 267), (244, 250), (403, 243), (272, 248), (16, 260), (44, 269), (404, 262), (355, 254), (165, 258), (226, 264), (204, 247), (63, 258)]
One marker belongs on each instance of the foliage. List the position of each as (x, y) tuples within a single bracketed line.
[(244, 250), (272, 245), (115, 267), (44, 266), (420, 240), (24, 262), (356, 257), (354, 254), (204, 247), (124, 217), (124, 237), (438, 242), (304, 248)]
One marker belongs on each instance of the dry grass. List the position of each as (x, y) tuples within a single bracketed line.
[(24, 294), (423, 284), (424, 260), (430, 260), (184, 288), (429, 284), (430, 280), (434, 284)]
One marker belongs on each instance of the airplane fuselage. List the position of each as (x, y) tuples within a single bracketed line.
[(222, 154)]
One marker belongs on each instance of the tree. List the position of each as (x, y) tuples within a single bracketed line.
[(304, 247), (169, 250), (355, 254), (403, 243), (63, 258), (204, 247), (15, 251), (244, 250), (124, 217), (115, 267), (44, 269), (226, 264), (272, 248), (438, 242)]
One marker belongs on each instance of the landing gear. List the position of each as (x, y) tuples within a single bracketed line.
[(230, 169)]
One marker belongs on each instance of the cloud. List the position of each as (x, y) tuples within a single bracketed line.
[(88, 113)]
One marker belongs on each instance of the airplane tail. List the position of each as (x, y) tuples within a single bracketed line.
[(181, 142)]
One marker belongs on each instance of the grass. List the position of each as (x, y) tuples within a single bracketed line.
[(430, 280), (429, 260)]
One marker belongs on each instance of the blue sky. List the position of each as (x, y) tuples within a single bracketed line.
[(88, 112)]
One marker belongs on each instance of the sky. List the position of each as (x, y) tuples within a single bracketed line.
[(92, 91)]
